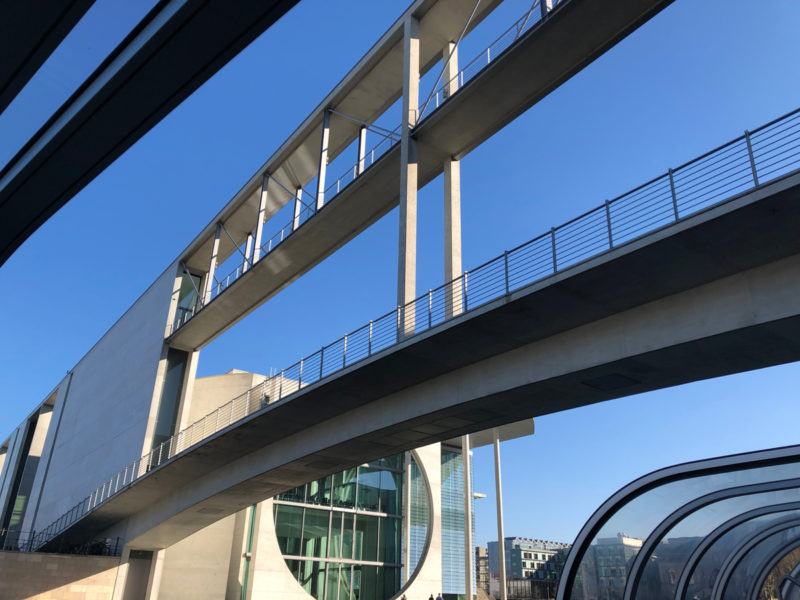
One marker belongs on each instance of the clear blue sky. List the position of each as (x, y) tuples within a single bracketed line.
[(695, 76)]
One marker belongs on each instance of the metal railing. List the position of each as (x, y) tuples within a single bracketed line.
[(766, 154), (483, 59), (12, 540), (480, 62)]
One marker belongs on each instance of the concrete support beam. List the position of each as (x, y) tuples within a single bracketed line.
[(450, 74), (212, 265), (469, 561), (323, 158), (248, 252), (407, 255), (298, 203), (362, 149), (262, 211), (501, 538)]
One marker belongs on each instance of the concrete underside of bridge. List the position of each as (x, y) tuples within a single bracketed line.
[(711, 295)]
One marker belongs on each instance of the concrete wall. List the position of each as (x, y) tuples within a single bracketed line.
[(206, 565), (110, 404), (33, 576), (209, 393)]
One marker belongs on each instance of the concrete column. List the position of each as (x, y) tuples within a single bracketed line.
[(212, 265), (362, 149), (248, 252), (154, 579), (453, 304), (468, 550), (262, 211), (323, 158), (501, 543), (407, 520), (298, 202), (450, 60), (546, 6), (407, 255), (122, 575)]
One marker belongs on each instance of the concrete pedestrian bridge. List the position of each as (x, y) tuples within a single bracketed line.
[(690, 276)]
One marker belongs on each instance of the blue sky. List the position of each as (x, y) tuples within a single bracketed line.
[(692, 78)]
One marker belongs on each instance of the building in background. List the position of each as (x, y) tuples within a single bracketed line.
[(533, 567), (482, 568)]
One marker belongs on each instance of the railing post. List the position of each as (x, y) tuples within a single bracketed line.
[(344, 352), (321, 360), (466, 291), (280, 386), (362, 149), (608, 224), (300, 374), (752, 157), (505, 268), (369, 346), (323, 158), (674, 195), (430, 307), (398, 322), (553, 246)]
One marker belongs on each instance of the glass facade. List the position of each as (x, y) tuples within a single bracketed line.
[(453, 523), (341, 536)]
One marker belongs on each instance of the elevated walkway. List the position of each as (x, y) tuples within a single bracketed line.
[(527, 62), (692, 275)]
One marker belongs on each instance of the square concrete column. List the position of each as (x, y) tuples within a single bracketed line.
[(323, 158), (546, 6), (262, 211), (501, 544), (453, 304), (362, 149), (248, 252), (407, 255), (298, 202), (212, 265)]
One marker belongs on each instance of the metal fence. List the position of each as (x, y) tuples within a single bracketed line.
[(758, 157)]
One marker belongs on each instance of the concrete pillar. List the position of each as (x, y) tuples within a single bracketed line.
[(154, 580), (407, 255), (212, 265), (468, 550), (362, 149), (546, 6), (452, 202), (323, 158), (122, 575), (248, 252), (450, 75), (298, 203), (501, 543), (262, 211)]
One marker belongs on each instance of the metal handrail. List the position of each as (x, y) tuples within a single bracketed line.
[(662, 201)]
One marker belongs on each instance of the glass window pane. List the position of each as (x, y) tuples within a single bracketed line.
[(335, 549), (332, 592), (347, 536), (391, 489), (294, 495), (391, 539), (288, 524), (315, 533), (369, 483), (319, 492), (312, 577), (743, 576), (366, 538), (344, 488), (344, 582)]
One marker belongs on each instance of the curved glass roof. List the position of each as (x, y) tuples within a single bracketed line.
[(717, 528)]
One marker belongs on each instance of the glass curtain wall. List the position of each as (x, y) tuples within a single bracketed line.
[(341, 536)]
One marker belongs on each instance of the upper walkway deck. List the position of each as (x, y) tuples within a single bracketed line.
[(537, 53)]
